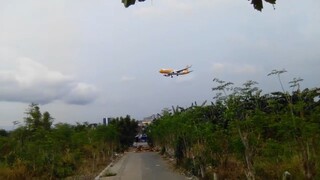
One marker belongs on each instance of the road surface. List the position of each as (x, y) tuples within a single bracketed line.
[(142, 166)]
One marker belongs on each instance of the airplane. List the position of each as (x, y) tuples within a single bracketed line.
[(171, 72)]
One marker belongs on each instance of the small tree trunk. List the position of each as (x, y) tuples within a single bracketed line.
[(93, 162), (215, 176), (308, 164), (248, 155), (202, 170)]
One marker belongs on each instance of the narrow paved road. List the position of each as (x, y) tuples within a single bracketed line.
[(142, 166)]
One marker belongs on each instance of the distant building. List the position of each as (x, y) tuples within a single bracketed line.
[(106, 121), (148, 120)]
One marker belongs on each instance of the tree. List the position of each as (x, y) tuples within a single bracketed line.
[(127, 129), (38, 150), (262, 135), (3, 133), (35, 119)]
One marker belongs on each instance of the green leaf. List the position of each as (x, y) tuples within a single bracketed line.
[(127, 3), (257, 4), (271, 1)]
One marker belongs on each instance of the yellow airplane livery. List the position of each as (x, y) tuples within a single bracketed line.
[(172, 72)]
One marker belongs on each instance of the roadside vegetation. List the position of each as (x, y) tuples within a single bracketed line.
[(245, 134), (38, 149)]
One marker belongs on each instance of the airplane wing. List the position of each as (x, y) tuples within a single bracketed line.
[(178, 71)]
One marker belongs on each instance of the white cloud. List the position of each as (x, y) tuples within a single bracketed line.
[(31, 81), (30, 72)]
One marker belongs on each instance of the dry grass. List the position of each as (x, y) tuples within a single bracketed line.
[(18, 172)]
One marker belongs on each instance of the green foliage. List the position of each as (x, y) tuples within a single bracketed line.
[(261, 135), (258, 4), (127, 129), (179, 150), (244, 134), (3, 133), (39, 150), (35, 119), (128, 3)]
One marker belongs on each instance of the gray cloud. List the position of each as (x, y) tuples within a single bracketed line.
[(121, 50), (81, 94), (31, 81)]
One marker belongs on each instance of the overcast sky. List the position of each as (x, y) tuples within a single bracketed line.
[(83, 60)]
